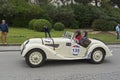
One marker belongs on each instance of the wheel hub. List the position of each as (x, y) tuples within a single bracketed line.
[(35, 58), (97, 56)]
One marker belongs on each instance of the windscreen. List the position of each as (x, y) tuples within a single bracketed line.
[(68, 35)]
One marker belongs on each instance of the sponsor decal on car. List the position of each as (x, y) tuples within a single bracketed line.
[(48, 40), (75, 50)]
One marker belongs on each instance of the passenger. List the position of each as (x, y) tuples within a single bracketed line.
[(78, 36), (85, 41), (85, 34)]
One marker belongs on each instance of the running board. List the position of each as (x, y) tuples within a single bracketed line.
[(9, 50)]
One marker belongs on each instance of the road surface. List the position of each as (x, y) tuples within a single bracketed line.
[(13, 67)]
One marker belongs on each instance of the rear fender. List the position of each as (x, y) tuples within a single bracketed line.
[(104, 47)]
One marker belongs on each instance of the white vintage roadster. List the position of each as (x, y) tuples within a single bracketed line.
[(37, 50)]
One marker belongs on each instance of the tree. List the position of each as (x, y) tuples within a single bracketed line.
[(105, 3), (83, 1), (6, 9), (72, 1), (2, 1), (23, 12), (116, 2), (96, 2), (64, 15), (63, 2), (41, 2)]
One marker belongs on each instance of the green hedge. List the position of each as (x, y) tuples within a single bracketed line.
[(31, 23), (104, 25), (40, 23), (59, 26)]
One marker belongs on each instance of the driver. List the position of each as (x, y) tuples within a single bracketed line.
[(78, 36)]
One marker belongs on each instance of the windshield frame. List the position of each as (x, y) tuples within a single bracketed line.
[(68, 35)]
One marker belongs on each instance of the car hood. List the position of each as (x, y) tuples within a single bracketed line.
[(49, 40)]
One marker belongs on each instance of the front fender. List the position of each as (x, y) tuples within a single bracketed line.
[(49, 52)]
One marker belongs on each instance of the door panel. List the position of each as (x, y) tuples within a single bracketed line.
[(71, 50), (77, 50)]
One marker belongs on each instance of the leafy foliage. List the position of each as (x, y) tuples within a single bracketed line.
[(84, 15), (19, 13), (7, 9), (83, 1), (62, 14), (59, 26), (40, 23), (31, 24), (104, 25), (65, 15), (117, 2), (22, 12)]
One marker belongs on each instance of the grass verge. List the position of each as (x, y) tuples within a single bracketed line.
[(19, 35)]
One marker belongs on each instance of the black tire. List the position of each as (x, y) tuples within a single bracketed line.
[(35, 58), (97, 56)]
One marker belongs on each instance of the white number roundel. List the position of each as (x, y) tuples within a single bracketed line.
[(75, 49)]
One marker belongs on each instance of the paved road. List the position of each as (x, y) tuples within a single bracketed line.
[(13, 67)]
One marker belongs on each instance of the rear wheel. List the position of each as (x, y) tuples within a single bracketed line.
[(35, 58), (97, 56)]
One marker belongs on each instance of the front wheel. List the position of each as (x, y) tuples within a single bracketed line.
[(97, 56), (35, 58)]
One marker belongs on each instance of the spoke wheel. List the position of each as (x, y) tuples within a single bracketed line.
[(97, 55), (35, 58)]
